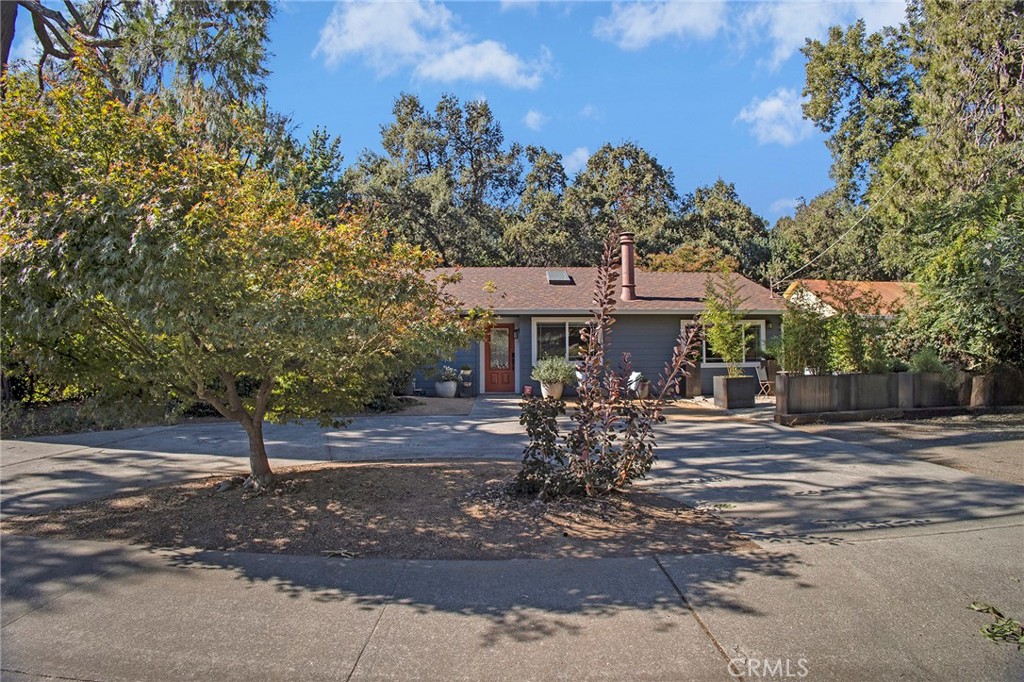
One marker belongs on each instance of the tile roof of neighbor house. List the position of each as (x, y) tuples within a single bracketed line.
[(527, 291), (890, 294)]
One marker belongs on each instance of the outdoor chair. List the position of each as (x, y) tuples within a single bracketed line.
[(633, 383), (767, 387)]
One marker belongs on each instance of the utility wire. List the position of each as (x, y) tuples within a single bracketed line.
[(928, 141)]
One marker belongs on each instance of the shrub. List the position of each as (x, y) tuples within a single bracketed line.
[(721, 319), (926, 360), (448, 374), (804, 340), (554, 371), (611, 443)]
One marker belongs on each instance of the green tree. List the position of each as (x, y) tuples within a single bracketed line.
[(805, 340), (829, 238), (689, 258), (859, 89), (146, 45), (721, 319), (144, 261), (720, 220), (624, 187), (856, 331), (970, 108), (316, 175), (541, 231), (444, 179), (971, 304)]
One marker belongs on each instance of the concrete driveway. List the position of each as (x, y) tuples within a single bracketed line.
[(869, 563), (42, 473)]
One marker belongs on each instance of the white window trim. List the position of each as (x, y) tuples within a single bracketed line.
[(763, 324), (552, 320)]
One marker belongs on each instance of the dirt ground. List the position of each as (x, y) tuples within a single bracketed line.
[(396, 510), (989, 445)]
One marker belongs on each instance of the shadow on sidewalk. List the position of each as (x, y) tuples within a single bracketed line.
[(518, 600)]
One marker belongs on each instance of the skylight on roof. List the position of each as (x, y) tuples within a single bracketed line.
[(558, 277)]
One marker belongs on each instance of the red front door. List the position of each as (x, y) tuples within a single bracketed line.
[(500, 359)]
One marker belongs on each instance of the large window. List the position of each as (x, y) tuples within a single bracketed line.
[(754, 334), (558, 339)]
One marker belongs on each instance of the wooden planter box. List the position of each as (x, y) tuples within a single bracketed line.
[(734, 392)]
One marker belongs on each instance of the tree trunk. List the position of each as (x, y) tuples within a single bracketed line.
[(8, 15), (260, 475)]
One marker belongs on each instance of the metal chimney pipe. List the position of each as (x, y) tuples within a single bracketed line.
[(628, 267)]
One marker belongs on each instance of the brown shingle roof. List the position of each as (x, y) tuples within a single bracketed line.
[(526, 290), (890, 294)]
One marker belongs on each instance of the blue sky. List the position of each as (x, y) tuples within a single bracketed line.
[(712, 89)]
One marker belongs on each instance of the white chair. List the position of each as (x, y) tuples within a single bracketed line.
[(767, 387)]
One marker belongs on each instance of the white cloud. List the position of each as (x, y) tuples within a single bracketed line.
[(483, 61), (535, 120), (591, 112), (388, 35), (635, 26), (783, 206), (507, 5), (787, 25), (777, 118), (421, 35), (576, 160)]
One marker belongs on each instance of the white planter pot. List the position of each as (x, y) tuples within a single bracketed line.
[(445, 389), (551, 390)]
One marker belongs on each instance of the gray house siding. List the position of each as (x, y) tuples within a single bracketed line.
[(648, 338)]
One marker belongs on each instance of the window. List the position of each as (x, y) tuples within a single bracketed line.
[(755, 334), (558, 339)]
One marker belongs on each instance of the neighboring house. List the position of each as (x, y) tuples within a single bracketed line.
[(539, 312), (821, 294)]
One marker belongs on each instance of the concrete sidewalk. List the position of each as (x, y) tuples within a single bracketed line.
[(869, 564), (871, 558)]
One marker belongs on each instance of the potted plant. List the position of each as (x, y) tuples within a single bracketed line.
[(446, 383), (723, 329), (466, 375), (553, 374)]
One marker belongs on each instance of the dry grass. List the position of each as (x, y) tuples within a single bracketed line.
[(397, 510)]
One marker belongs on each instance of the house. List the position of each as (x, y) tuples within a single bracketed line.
[(822, 294), (539, 312)]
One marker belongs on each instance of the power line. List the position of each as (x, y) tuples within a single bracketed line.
[(928, 140)]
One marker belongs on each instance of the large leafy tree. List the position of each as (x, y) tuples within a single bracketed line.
[(828, 238), (970, 108), (444, 178), (625, 188), (142, 260), (145, 45), (943, 189), (859, 88), (972, 279), (720, 220), (540, 231)]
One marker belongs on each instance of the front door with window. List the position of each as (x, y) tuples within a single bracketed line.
[(500, 359)]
